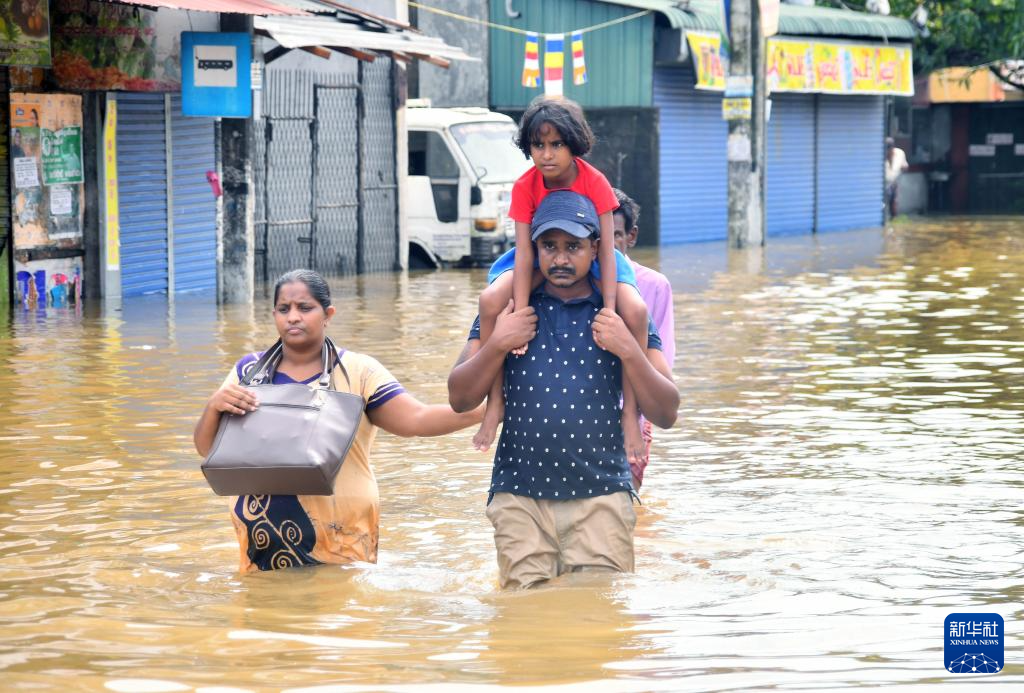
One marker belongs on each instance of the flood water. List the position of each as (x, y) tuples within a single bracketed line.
[(847, 470)]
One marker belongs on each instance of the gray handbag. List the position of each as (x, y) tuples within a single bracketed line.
[(295, 441)]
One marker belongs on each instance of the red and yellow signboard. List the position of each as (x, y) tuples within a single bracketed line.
[(790, 65), (827, 67), (706, 49)]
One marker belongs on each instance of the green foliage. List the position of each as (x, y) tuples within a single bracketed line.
[(967, 32)]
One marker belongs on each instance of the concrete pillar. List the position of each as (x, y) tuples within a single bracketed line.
[(746, 135), (236, 278)]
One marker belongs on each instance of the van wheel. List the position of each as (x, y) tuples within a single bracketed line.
[(419, 259)]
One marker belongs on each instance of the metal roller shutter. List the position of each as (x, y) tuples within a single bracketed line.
[(850, 151), (142, 191), (694, 172), (194, 206), (789, 194)]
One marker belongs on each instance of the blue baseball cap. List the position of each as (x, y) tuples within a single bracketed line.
[(567, 211)]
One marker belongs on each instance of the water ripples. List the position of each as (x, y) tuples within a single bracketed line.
[(847, 470)]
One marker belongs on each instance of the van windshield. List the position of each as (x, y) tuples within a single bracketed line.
[(491, 151)]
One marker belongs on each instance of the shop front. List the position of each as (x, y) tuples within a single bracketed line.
[(824, 135)]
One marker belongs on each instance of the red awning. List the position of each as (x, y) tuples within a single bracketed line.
[(255, 7)]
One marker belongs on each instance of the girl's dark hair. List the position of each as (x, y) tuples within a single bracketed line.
[(563, 115), (628, 208), (314, 282)]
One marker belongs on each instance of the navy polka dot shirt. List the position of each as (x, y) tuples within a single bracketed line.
[(562, 433)]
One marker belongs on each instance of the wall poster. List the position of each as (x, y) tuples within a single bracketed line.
[(47, 197)]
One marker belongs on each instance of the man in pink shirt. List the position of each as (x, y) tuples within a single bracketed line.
[(657, 294)]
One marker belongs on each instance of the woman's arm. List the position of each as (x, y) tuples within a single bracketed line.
[(406, 416), (230, 398)]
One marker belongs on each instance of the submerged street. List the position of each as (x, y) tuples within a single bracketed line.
[(846, 471)]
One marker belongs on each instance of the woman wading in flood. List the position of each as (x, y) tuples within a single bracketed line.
[(283, 531)]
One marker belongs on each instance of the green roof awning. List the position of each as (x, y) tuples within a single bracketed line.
[(794, 20)]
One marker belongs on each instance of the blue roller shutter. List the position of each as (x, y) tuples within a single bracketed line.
[(692, 160), (850, 151), (789, 194), (195, 207), (142, 191)]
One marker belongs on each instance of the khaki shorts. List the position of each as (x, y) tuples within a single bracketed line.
[(537, 540)]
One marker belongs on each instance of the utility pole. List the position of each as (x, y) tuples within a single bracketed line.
[(745, 89)]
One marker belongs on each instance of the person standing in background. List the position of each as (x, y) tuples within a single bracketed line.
[(895, 165), (656, 292)]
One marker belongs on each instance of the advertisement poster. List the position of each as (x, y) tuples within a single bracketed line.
[(62, 155), (105, 47), (708, 62), (55, 283), (46, 150), (25, 33)]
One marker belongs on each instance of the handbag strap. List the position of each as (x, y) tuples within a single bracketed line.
[(260, 372), (326, 374), (267, 365)]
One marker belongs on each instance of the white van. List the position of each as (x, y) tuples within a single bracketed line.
[(462, 164)]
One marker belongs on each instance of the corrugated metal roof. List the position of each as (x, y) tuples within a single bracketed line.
[(795, 20), (700, 17), (301, 32), (255, 7), (831, 21)]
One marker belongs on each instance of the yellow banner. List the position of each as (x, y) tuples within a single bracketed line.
[(834, 67), (828, 68), (863, 69), (790, 65), (706, 49), (112, 211)]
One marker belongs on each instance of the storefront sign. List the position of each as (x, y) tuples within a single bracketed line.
[(828, 77), (111, 209), (25, 33), (708, 60), (216, 78), (999, 138), (790, 65), (62, 155), (826, 67)]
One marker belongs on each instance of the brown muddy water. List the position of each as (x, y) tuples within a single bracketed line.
[(846, 471)]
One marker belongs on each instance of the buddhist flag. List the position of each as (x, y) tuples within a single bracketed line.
[(554, 61), (531, 63), (579, 66)]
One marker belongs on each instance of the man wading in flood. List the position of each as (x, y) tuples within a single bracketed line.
[(561, 493)]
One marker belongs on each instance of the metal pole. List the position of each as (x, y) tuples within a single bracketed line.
[(746, 138)]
